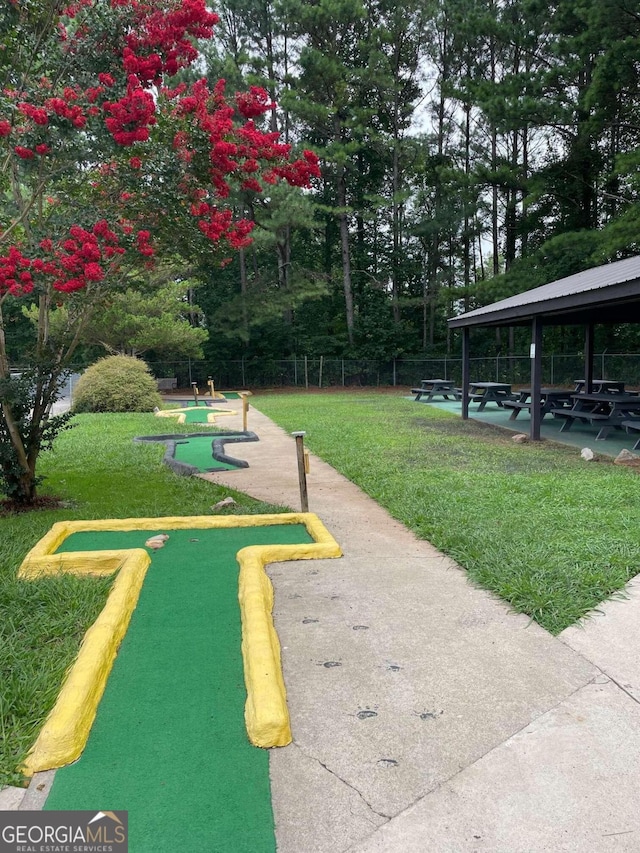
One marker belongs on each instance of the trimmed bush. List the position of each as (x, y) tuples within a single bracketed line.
[(118, 383)]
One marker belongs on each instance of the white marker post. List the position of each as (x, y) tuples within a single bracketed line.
[(302, 475)]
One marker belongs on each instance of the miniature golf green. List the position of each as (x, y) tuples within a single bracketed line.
[(200, 414), (169, 743), (198, 452)]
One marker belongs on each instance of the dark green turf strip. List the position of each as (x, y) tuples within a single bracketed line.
[(169, 743), (198, 452)]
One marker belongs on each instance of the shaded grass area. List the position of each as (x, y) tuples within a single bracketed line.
[(534, 523), (100, 473)]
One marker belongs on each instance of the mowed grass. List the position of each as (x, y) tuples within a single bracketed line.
[(98, 470), (549, 533)]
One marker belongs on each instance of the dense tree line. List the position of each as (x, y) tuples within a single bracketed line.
[(469, 149)]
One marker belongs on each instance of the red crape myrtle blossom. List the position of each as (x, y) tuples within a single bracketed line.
[(15, 274), (118, 101), (83, 256)]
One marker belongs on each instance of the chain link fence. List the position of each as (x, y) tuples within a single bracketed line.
[(320, 372)]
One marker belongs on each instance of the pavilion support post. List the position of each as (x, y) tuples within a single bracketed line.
[(536, 377), (588, 358), (465, 373)]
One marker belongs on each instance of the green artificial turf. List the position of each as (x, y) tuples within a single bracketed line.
[(99, 472), (169, 743), (198, 452), (199, 414)]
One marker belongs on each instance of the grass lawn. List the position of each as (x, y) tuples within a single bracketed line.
[(549, 533), (101, 473)]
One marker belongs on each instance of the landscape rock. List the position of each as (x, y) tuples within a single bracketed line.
[(520, 438), (155, 542), (587, 454), (626, 457), (224, 502)]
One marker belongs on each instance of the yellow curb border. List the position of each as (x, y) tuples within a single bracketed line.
[(181, 416), (66, 729)]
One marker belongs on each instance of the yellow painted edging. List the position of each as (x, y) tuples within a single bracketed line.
[(180, 414), (66, 729)]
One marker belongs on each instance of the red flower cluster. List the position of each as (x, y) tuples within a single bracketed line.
[(253, 103), (15, 277), (70, 111), (80, 258), (37, 114), (132, 115), (218, 225), (160, 42), (299, 174), (209, 146)]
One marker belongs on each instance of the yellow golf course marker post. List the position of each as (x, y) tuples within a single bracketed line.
[(66, 729)]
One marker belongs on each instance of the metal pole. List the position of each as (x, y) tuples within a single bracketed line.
[(302, 473), (306, 373), (320, 374)]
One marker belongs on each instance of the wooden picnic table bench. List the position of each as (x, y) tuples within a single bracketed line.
[(608, 411), (167, 383), (430, 388), (490, 392), (632, 426), (600, 386), (550, 398)]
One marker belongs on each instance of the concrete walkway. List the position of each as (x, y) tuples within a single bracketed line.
[(426, 717)]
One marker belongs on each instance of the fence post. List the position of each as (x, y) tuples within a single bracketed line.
[(306, 373), (320, 372), (343, 372), (302, 474), (243, 377), (394, 373), (295, 370)]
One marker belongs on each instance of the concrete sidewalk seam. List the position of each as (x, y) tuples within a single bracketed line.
[(344, 782), (444, 783)]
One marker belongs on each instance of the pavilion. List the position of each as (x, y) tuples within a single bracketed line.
[(607, 294)]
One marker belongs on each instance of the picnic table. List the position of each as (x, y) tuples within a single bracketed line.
[(632, 426), (600, 386), (550, 398), (608, 411), (490, 392), (431, 388)]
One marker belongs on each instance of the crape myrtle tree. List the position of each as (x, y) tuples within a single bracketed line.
[(106, 160)]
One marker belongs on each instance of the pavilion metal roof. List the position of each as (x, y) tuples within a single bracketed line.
[(604, 294)]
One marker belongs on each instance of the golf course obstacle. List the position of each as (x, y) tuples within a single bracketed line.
[(67, 728), (200, 452), (192, 414)]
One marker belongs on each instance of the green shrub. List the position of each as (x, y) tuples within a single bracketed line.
[(118, 383)]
